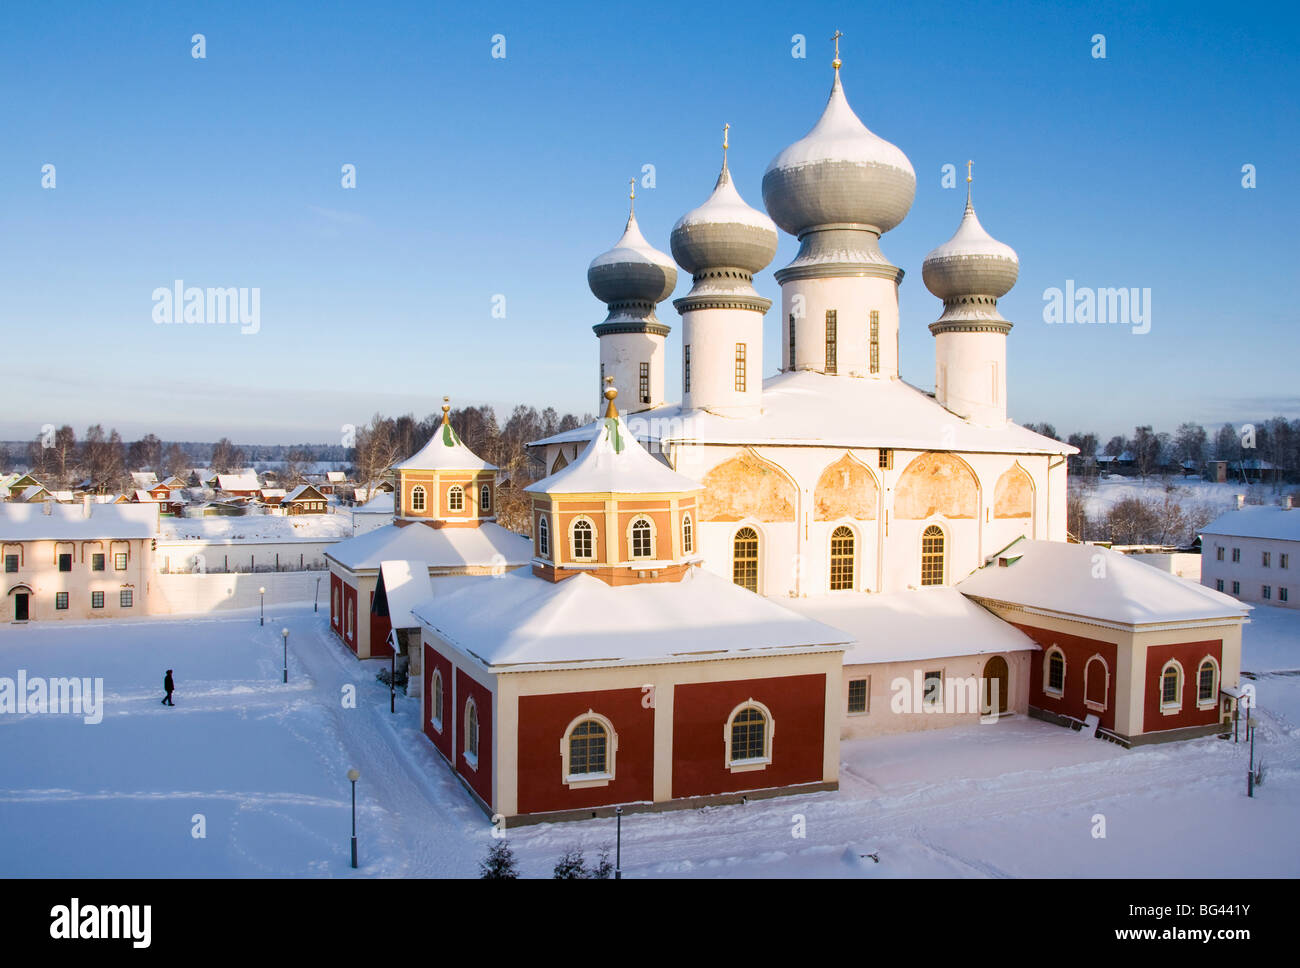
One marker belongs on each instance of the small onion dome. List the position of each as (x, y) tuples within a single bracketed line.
[(840, 172), (632, 271), (724, 232), (971, 263)]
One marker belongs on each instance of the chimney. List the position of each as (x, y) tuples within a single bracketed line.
[(1241, 501), (85, 505), (1288, 502)]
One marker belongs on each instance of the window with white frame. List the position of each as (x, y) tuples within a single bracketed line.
[(1054, 672), (126, 598), (1207, 683), (642, 535), (1265, 558), (1171, 687), (688, 535), (471, 732), (96, 599), (455, 498), (748, 737), (1236, 554), (587, 751), (1284, 561), (543, 537), (485, 498), (119, 561), (582, 538), (436, 699)]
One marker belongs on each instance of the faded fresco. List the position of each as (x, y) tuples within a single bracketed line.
[(1014, 495), (937, 483), (747, 487), (846, 489)]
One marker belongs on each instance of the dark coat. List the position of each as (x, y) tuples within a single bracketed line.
[(168, 685)]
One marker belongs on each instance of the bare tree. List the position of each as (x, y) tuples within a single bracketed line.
[(226, 457)]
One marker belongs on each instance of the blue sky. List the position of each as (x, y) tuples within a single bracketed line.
[(479, 176)]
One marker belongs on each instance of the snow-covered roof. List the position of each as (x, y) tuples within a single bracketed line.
[(1095, 583), (613, 463), (488, 544), (335, 477), (813, 409), (31, 492), (518, 620), (406, 585), (299, 491), (926, 623), (269, 492), (381, 503), (445, 451), (144, 479), (70, 522), (1282, 524), (246, 481)]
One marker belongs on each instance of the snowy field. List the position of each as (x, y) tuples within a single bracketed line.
[(261, 527), (1106, 492), (265, 764)]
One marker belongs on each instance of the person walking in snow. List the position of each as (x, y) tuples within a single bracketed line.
[(170, 686)]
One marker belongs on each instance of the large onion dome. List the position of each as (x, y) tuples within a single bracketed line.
[(971, 263), (633, 271), (839, 174), (724, 232)]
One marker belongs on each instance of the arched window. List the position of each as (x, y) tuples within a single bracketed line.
[(932, 555), (842, 558), (642, 535), (1171, 686), (543, 537), (688, 535), (1207, 683), (455, 498), (1054, 672), (748, 737), (435, 700), (588, 750), (583, 538), (744, 559), (484, 499), (337, 610), (417, 498), (471, 732), (351, 625), (1096, 683)]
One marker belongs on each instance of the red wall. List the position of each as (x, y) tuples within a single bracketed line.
[(1078, 650), (380, 626), (441, 741), (1189, 654), (542, 722), (480, 780), (700, 712)]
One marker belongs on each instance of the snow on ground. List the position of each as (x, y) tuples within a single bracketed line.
[(266, 764), (261, 527), (1111, 489)]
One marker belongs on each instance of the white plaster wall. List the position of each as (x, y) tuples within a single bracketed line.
[(622, 354), (712, 335), (971, 375), (853, 298), (212, 593), (1250, 571)]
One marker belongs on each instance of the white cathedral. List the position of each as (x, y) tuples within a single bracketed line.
[(835, 474)]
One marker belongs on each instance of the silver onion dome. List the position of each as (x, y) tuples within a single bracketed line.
[(724, 232)]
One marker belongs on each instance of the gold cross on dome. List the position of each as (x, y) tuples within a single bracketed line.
[(631, 194), (836, 37), (968, 174), (725, 129)]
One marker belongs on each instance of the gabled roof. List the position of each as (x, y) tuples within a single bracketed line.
[(487, 544), (303, 492), (445, 452), (1095, 583), (1282, 524), (144, 479), (519, 620), (403, 585), (246, 481), (614, 463)]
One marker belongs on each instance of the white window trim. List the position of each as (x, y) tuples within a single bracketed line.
[(573, 541), (757, 762), (424, 498), (584, 781), (1213, 701), (688, 534), (830, 542), (471, 759), (455, 488), (543, 537), (1170, 708), (654, 539), (436, 679), (1095, 707), (485, 490), (1047, 672)]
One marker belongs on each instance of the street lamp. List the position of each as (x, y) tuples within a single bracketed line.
[(618, 844), (354, 775), (392, 673), (285, 634), (315, 602), (261, 608), (1250, 777)]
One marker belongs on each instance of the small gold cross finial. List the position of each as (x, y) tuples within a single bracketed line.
[(610, 394), (836, 37), (725, 128), (446, 408), (631, 194), (968, 174)]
